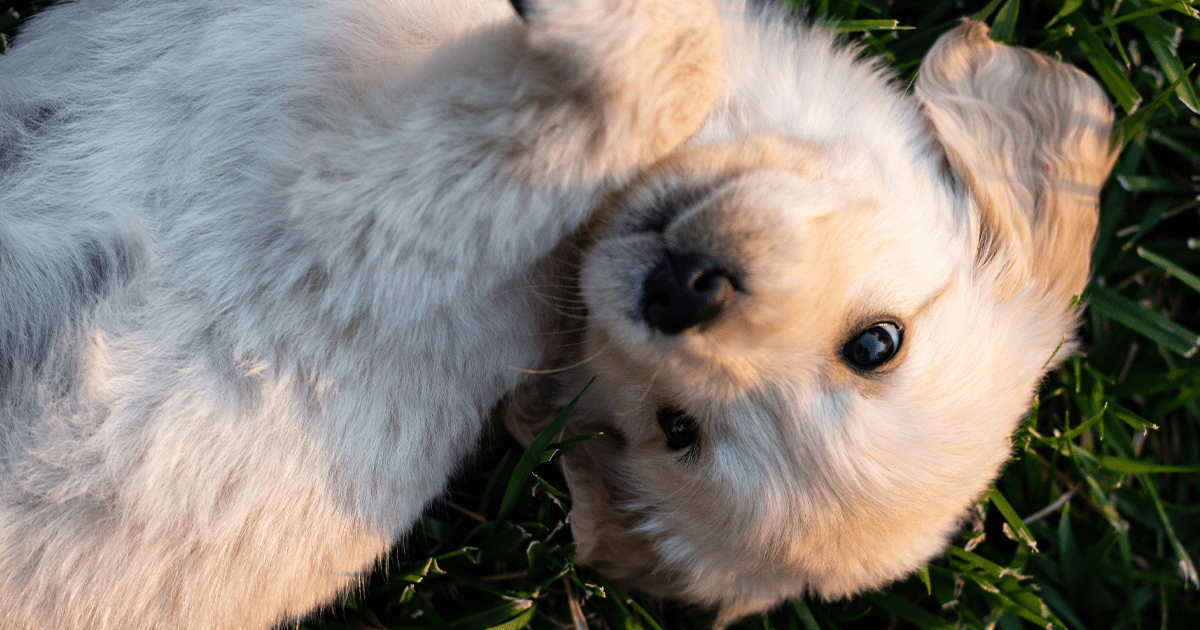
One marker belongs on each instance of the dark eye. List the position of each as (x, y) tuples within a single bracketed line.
[(681, 429), (874, 346)]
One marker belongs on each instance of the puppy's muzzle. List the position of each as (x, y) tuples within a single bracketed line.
[(685, 290)]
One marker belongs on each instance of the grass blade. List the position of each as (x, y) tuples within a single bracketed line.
[(909, 611), (1102, 61), (800, 607), (857, 26), (1068, 7), (1187, 569), (1180, 274), (1163, 39), (1150, 324), (1127, 129), (1020, 529), (1123, 465), (533, 455)]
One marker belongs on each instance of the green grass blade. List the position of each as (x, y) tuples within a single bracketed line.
[(1079, 430), (856, 26), (622, 599), (533, 455), (1187, 569), (1102, 61), (909, 611), (1150, 324), (1128, 127), (1070, 558), (1020, 529), (1151, 183), (986, 11), (923, 573), (1129, 466), (1068, 7), (1184, 149), (499, 618), (800, 607), (1058, 605), (974, 560), (1163, 39), (1136, 422), (1129, 17), (1180, 274), (1159, 383), (1004, 28)]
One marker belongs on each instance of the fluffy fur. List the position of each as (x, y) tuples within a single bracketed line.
[(265, 267)]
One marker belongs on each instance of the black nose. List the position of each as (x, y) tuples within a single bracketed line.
[(686, 290)]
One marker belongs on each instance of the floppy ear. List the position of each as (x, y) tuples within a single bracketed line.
[(1028, 137)]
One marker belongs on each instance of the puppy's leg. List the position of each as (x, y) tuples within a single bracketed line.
[(542, 115), (647, 72), (434, 207)]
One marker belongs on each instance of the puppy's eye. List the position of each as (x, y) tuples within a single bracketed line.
[(874, 346), (681, 429)]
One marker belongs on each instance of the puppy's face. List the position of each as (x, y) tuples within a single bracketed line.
[(810, 359), (766, 319)]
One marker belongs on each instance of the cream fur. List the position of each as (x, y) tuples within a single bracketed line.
[(266, 266)]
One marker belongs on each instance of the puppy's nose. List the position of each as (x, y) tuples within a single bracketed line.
[(685, 290)]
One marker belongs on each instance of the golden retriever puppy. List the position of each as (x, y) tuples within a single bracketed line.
[(267, 265), (816, 324)]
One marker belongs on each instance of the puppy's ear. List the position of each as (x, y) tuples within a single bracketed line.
[(1028, 137)]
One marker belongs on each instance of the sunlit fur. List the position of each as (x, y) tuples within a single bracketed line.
[(963, 211), (266, 266)]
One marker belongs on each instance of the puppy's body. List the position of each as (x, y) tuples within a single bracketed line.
[(266, 269), (266, 266)]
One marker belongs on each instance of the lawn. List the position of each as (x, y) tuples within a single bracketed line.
[(1096, 520)]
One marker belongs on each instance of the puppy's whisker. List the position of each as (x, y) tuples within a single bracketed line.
[(566, 331), (562, 308), (546, 291), (568, 287), (558, 300), (650, 382), (564, 368), (562, 311)]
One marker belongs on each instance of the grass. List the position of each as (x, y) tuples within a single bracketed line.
[(1095, 521)]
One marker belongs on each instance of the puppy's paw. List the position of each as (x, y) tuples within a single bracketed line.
[(652, 65)]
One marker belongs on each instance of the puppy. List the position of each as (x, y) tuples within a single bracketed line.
[(265, 267)]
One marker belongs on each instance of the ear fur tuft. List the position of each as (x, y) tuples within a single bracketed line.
[(1029, 139)]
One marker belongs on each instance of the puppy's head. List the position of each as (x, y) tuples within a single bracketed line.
[(811, 361)]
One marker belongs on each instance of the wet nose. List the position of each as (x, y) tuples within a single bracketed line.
[(686, 290)]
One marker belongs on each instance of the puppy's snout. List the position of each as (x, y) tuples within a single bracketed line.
[(685, 290)]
